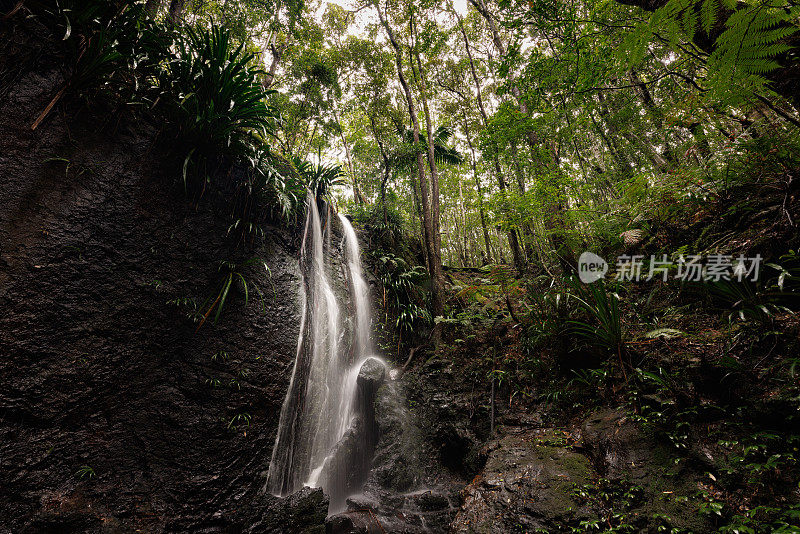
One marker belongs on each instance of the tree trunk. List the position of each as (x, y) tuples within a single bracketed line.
[(356, 190), (152, 7), (176, 8), (436, 273), (656, 117), (526, 227), (386, 166), (555, 215), (277, 55), (513, 242), (429, 239), (478, 186)]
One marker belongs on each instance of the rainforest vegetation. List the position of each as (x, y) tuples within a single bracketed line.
[(480, 147)]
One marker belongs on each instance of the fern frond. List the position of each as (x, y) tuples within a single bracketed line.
[(689, 22), (709, 13)]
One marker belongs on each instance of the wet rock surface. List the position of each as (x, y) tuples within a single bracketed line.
[(303, 512), (554, 481), (526, 485), (351, 459), (451, 413), (404, 493), (623, 453), (114, 415)]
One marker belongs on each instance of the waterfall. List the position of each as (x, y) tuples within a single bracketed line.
[(324, 436), (360, 291)]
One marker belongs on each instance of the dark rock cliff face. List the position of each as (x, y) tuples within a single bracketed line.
[(114, 414)]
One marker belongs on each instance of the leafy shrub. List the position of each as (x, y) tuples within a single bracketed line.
[(745, 300), (547, 320), (602, 306), (404, 294), (760, 301), (319, 178), (384, 222), (218, 105), (765, 519), (232, 273), (222, 117), (653, 397), (113, 48)]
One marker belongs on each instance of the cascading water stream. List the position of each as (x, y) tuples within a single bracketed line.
[(322, 439), (360, 292)]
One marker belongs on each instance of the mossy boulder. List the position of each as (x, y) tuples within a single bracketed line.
[(526, 485)]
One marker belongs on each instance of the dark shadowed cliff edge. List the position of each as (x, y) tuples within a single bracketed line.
[(114, 414)]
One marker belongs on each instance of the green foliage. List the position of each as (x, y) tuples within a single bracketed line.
[(749, 47), (653, 398), (602, 305), (748, 39), (239, 421), (760, 457), (218, 105), (614, 500), (404, 294), (112, 48), (762, 300), (547, 319), (745, 299), (405, 158), (765, 519), (320, 178), (85, 471), (220, 109), (205, 84), (385, 224), (232, 273), (592, 380), (189, 305)]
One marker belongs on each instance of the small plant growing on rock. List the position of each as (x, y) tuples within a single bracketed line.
[(240, 420), (85, 472), (602, 306), (232, 272)]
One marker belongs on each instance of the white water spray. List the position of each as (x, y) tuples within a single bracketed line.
[(321, 441), (360, 291)]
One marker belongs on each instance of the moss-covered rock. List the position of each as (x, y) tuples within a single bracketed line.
[(649, 488), (526, 485)]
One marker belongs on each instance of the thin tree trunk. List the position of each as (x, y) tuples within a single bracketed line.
[(356, 190), (513, 242), (656, 117), (430, 240), (555, 214), (625, 166), (277, 55), (526, 227), (479, 187), (464, 237), (152, 7), (436, 294), (386, 167), (176, 8)]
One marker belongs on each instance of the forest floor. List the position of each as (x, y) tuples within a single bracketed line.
[(694, 429)]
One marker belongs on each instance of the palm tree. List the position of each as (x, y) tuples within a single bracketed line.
[(319, 178), (404, 158)]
